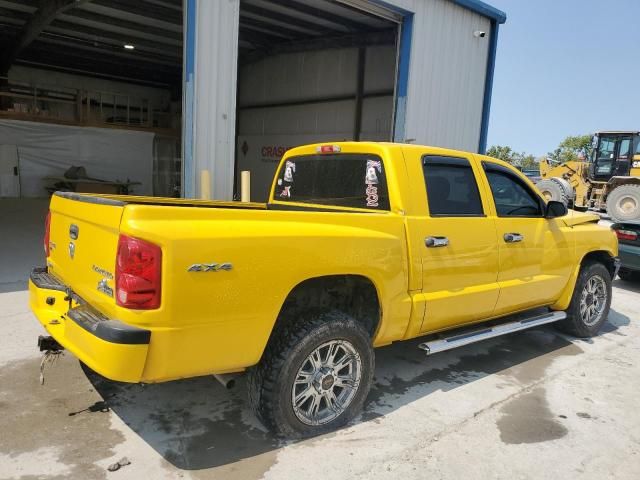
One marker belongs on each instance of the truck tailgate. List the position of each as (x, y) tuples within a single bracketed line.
[(83, 245)]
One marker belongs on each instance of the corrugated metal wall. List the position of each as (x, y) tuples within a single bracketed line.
[(264, 133), (444, 101), (446, 74)]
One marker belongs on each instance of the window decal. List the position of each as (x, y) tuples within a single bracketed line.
[(371, 177), (286, 192), (289, 170)]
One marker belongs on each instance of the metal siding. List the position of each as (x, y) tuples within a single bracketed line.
[(447, 72), (445, 88), (215, 93), (308, 75)]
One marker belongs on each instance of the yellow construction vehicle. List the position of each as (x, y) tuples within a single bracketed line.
[(609, 181)]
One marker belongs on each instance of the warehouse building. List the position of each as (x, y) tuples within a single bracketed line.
[(173, 97)]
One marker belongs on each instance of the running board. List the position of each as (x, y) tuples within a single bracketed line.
[(461, 339)]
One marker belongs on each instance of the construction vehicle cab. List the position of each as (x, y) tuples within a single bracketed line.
[(608, 181), (614, 154)]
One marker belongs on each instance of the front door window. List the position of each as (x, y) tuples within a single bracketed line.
[(605, 158)]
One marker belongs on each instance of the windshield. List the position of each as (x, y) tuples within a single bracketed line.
[(343, 180)]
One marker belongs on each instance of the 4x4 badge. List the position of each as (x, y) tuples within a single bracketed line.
[(209, 267)]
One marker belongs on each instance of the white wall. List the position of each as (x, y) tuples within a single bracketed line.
[(264, 133), (46, 149)]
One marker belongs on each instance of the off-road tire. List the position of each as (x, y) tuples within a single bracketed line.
[(624, 196), (552, 190), (270, 382), (568, 190), (628, 275), (574, 324)]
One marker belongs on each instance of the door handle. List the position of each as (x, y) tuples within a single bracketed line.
[(434, 242), (513, 237)]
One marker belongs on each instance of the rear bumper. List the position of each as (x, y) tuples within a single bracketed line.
[(629, 256), (110, 347)]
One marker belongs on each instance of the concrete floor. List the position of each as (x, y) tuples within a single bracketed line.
[(21, 235), (535, 404)]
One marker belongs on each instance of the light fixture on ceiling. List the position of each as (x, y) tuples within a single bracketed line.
[(128, 46)]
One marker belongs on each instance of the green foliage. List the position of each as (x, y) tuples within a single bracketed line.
[(503, 153), (528, 161), (506, 154), (572, 148)]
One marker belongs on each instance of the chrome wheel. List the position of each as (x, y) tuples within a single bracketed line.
[(326, 382), (593, 300)]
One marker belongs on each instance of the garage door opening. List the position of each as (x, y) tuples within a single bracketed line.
[(91, 84), (311, 71)]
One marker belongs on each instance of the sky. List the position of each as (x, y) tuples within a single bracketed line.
[(564, 67)]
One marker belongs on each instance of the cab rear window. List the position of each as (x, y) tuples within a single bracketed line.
[(342, 180)]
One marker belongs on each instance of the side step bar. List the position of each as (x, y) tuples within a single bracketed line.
[(461, 339)]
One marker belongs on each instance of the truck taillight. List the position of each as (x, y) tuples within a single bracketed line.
[(138, 273), (47, 234), (328, 149), (626, 234)]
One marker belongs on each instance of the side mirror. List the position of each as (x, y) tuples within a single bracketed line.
[(555, 209)]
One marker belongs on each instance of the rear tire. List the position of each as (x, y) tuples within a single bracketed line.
[(566, 188), (623, 203), (314, 375), (590, 303)]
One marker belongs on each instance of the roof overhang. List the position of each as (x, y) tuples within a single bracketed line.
[(483, 9)]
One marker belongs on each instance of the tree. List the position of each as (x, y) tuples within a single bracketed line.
[(520, 160), (503, 153), (572, 148), (528, 161)]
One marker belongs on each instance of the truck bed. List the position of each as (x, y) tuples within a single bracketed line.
[(122, 200)]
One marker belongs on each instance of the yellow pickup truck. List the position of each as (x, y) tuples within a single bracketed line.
[(358, 246)]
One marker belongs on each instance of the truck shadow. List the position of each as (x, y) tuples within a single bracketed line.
[(196, 424), (629, 286)]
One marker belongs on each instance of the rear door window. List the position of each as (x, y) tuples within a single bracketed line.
[(452, 190), (342, 180)]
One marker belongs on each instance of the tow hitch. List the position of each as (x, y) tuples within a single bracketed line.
[(52, 350), (49, 344)]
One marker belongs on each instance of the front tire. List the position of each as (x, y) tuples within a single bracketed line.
[(590, 303), (314, 375), (623, 203)]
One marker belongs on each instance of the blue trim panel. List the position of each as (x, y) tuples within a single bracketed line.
[(405, 55), (188, 179), (488, 87), (404, 61), (483, 9)]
